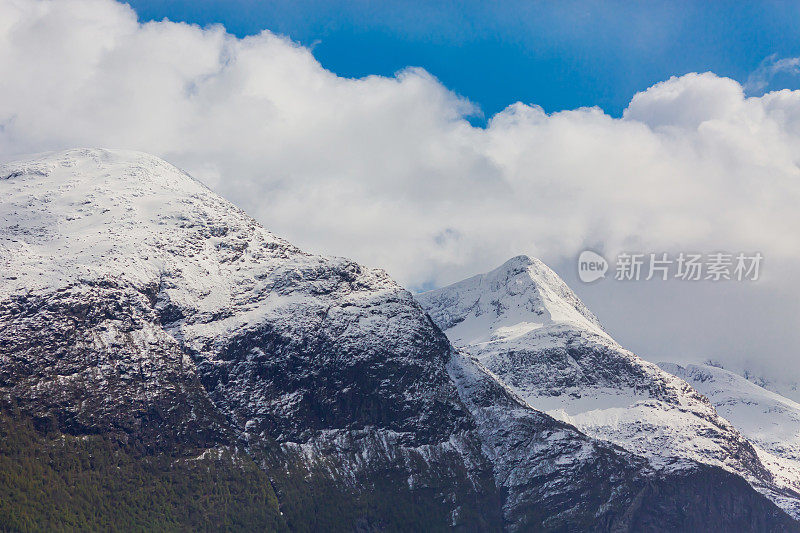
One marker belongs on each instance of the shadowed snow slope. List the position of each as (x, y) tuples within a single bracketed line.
[(525, 325)]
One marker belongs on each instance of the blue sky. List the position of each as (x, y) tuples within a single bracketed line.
[(559, 55)]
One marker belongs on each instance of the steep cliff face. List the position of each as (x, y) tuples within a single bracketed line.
[(95, 358), (525, 325), (139, 307)]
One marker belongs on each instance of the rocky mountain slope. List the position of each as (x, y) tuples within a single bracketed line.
[(525, 325), (556, 478), (144, 316)]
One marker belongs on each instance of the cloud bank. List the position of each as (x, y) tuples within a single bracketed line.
[(387, 170)]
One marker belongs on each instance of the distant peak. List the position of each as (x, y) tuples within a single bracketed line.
[(523, 263), (520, 260), (522, 294)]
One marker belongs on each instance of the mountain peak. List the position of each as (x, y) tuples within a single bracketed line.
[(94, 214), (520, 261), (521, 296), (48, 164), (523, 264)]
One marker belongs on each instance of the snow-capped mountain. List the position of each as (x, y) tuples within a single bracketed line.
[(526, 326), (768, 420), (137, 305)]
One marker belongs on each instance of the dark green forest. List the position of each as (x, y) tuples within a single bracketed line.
[(55, 482), (51, 481)]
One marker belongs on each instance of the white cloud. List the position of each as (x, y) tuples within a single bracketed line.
[(687, 101), (388, 171), (771, 67)]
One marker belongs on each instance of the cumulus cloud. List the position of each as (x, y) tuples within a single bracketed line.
[(387, 170)]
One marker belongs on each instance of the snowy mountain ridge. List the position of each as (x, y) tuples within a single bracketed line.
[(526, 326)]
